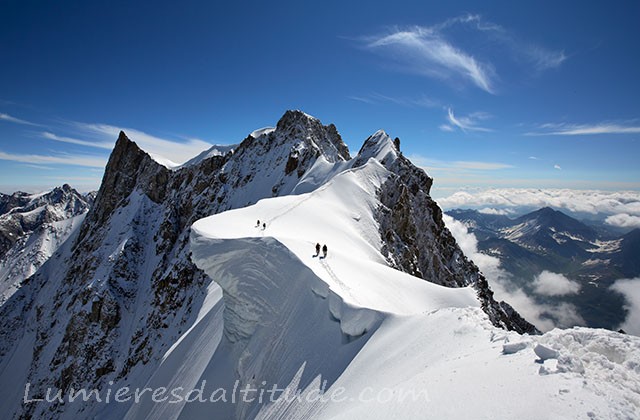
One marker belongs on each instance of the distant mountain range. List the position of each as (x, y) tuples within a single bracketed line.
[(32, 227), (550, 240)]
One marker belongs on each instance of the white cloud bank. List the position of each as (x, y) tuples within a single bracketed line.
[(545, 317), (623, 220), (554, 284), (630, 288), (623, 205), (496, 212)]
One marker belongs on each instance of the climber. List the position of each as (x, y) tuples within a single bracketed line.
[(264, 226), (258, 223), (324, 251), (317, 249)]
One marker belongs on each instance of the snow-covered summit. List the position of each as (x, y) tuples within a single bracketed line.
[(396, 302), (32, 227), (22, 213), (378, 146), (262, 131), (348, 323), (327, 140), (216, 150)]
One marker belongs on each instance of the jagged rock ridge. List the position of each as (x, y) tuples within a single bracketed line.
[(32, 227), (106, 307), (415, 239)]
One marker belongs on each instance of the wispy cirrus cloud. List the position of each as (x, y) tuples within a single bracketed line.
[(541, 57), (425, 50), (437, 51), (458, 165), (101, 145), (465, 123), (544, 58), (481, 166), (170, 152), (375, 98), (11, 119), (103, 136), (62, 159), (564, 129)]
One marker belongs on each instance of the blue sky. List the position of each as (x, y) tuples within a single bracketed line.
[(481, 94)]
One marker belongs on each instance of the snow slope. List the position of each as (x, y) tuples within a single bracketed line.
[(32, 228), (121, 304), (28, 254), (375, 342)]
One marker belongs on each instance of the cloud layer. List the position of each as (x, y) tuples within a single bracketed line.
[(630, 288), (621, 207), (554, 284), (543, 316)]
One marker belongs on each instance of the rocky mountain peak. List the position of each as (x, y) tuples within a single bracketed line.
[(106, 307), (298, 126), (128, 167), (415, 238), (378, 146)]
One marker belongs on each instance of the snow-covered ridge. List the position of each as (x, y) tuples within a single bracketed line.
[(262, 132), (216, 150), (403, 335), (32, 227), (340, 214), (274, 285), (122, 304)]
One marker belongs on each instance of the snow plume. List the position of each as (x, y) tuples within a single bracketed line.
[(544, 316), (554, 284), (630, 288)]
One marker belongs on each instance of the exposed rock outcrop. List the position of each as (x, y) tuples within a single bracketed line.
[(415, 239), (108, 305)]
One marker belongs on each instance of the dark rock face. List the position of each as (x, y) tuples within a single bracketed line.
[(22, 213), (415, 240), (104, 306), (100, 308), (298, 125)]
